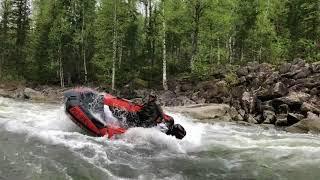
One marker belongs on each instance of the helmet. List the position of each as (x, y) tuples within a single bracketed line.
[(153, 94), (178, 131)]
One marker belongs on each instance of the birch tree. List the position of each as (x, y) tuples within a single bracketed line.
[(164, 52), (114, 42)]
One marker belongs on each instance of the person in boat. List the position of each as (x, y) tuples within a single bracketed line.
[(151, 115)]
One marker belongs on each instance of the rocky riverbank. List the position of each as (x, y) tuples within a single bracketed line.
[(41, 93), (285, 96)]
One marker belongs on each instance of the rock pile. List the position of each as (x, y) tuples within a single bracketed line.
[(287, 96), (284, 97)]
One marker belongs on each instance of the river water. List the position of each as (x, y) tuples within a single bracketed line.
[(38, 141)]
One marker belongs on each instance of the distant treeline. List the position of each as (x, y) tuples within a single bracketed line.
[(71, 42)]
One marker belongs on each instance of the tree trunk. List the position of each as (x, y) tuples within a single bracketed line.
[(260, 54), (164, 52), (196, 22), (194, 46), (219, 55), (120, 55), (60, 67), (83, 48), (1, 65), (114, 56), (230, 50), (151, 35)]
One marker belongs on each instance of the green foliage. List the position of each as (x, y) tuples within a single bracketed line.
[(62, 38)]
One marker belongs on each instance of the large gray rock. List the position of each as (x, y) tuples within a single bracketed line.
[(7, 94), (169, 98), (309, 125), (309, 82), (216, 94), (306, 107), (280, 89), (29, 93), (273, 78), (182, 100), (282, 120), (294, 100), (284, 68), (211, 112), (269, 117), (252, 120), (296, 70), (271, 92), (242, 71), (247, 102), (303, 73), (315, 67)]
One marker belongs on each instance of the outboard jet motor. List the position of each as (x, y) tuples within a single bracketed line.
[(178, 131)]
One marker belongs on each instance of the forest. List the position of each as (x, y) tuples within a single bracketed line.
[(113, 42)]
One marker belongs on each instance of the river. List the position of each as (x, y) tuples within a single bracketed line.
[(38, 141)]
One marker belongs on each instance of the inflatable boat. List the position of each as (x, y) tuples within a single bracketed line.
[(86, 109)]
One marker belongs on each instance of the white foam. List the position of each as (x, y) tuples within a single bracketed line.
[(50, 124)]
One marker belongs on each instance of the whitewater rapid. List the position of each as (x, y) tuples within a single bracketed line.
[(38, 141)]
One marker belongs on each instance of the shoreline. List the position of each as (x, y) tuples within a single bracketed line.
[(286, 97)]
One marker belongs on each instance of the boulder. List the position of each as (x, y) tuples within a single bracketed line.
[(294, 100), (288, 81), (295, 69), (281, 120), (309, 82), (259, 119), (299, 62), (237, 91), (293, 118), (235, 116), (217, 92), (265, 68), (242, 79), (315, 91), (280, 89), (252, 120), (182, 101), (242, 71), (273, 78), (247, 102), (6, 93), (168, 98), (253, 66), (284, 68), (269, 117), (212, 112), (302, 73), (309, 125), (222, 87), (29, 93), (315, 67), (306, 107)]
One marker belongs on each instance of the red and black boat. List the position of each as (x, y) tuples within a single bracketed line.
[(86, 108)]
